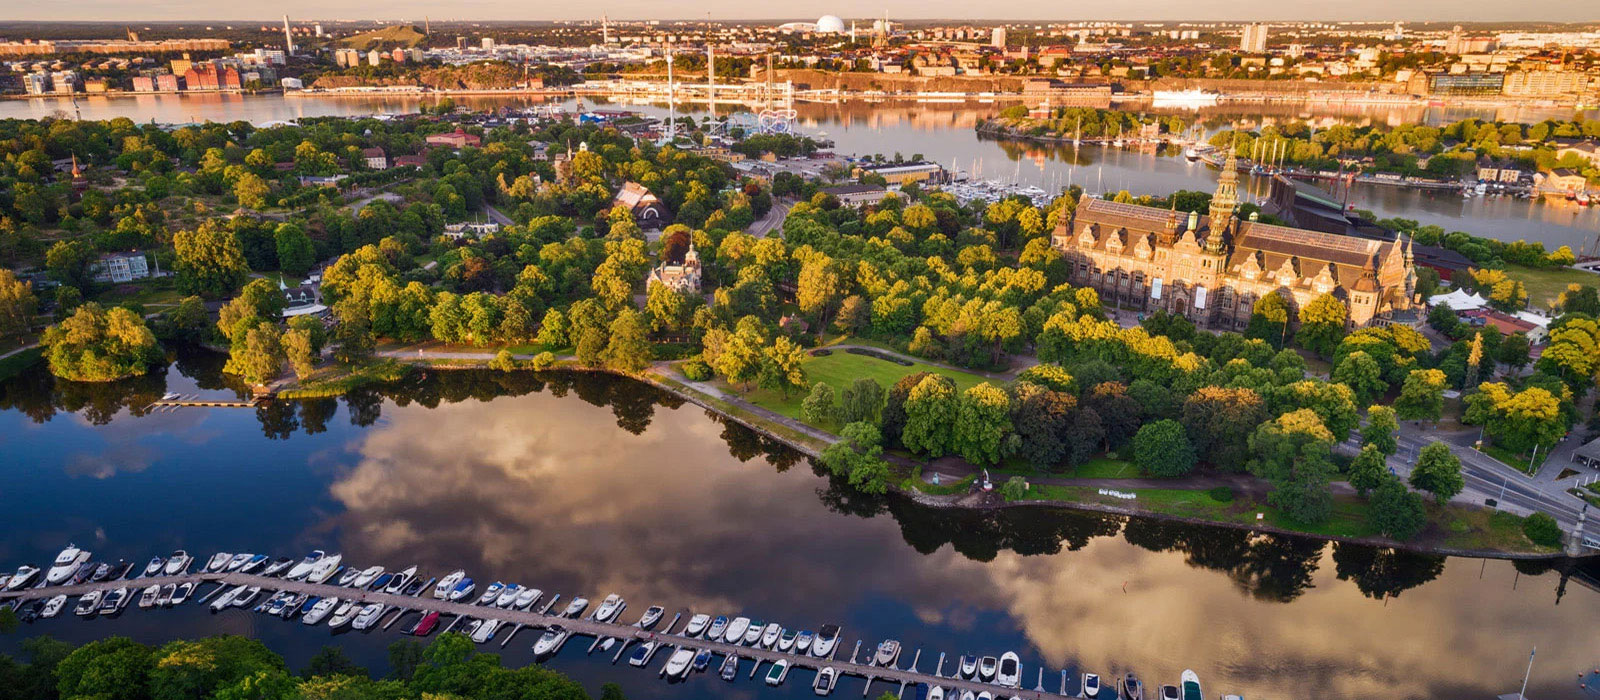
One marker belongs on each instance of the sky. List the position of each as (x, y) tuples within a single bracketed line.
[(1376, 10)]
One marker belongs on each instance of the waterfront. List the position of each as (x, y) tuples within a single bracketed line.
[(943, 131), (592, 484)]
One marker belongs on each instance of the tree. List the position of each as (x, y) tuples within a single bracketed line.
[(1014, 489), (861, 401), (116, 668), (1269, 320), (1381, 430), (982, 423), (259, 359), (69, 262), (858, 456), (1421, 396), (1119, 414), (819, 288), (629, 345), (783, 367), (1394, 511), (1162, 449), (1521, 421), (1438, 471), (99, 345), (198, 669), (1322, 324), (331, 661), (1368, 469), (17, 305), (1039, 418), (251, 191), (1542, 529), (931, 409), (503, 361), (210, 262), (299, 349), (296, 254), (1214, 418), (1514, 350), (1294, 453), (892, 419), (1362, 374), (818, 408)]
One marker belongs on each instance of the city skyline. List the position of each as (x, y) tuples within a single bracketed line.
[(1021, 10)]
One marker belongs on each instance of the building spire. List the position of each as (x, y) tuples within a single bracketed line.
[(1224, 202)]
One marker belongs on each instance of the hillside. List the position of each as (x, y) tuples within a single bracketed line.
[(388, 37)]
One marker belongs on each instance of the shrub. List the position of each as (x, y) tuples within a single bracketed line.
[(697, 370), (1542, 529), (1223, 494), (503, 361), (544, 360)]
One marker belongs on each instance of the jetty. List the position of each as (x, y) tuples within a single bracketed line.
[(899, 679)]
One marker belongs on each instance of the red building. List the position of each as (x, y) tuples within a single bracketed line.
[(455, 139)]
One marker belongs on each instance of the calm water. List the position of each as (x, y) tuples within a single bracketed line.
[(590, 485), (943, 131)]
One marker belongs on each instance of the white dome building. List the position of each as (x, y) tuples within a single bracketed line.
[(829, 24)]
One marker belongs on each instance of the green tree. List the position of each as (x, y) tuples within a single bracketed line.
[(819, 289), (1362, 374), (116, 668), (1214, 418), (331, 661), (1294, 453), (299, 351), (1322, 324), (198, 669), (1368, 469), (1437, 471), (296, 254), (1394, 511), (1162, 448), (858, 456), (17, 305), (783, 367), (259, 359), (629, 346), (1421, 395), (99, 345), (1269, 320), (210, 262), (1542, 529), (930, 409), (404, 656), (818, 408), (503, 361), (251, 191), (69, 262), (861, 401), (983, 419), (1014, 489), (1381, 430)]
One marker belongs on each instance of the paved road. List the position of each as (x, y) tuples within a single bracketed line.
[(773, 220)]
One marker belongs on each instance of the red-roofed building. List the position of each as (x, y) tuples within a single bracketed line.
[(455, 139), (415, 161), (375, 158)]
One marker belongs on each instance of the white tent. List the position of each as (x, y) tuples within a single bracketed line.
[(1458, 300)]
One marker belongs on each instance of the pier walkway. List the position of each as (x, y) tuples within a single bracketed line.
[(624, 633)]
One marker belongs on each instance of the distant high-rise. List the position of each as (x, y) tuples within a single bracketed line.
[(1254, 39), (997, 38), (488, 43)]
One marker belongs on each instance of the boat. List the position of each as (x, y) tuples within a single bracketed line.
[(730, 667), (114, 601), (66, 564), (1010, 672), (225, 598), (718, 626), (320, 610), (348, 577), (777, 671), (485, 631), (243, 599), (827, 636), (641, 654), (736, 630), (277, 603), (178, 563), (167, 592), (154, 567), (425, 624), (1132, 688), (609, 608), (986, 668), (550, 640), (702, 660), (343, 614), (527, 598), (365, 578), (381, 582), (403, 578), (967, 695), (786, 640), (769, 635), (985, 695), (753, 633), (294, 603), (122, 570), (324, 569), (490, 593), (442, 589), (507, 596), (888, 650), (678, 663), (254, 562), (1185, 98), (1191, 686), (1233, 697), (968, 666), (651, 616), (462, 590), (824, 681), (148, 599), (101, 573), (277, 566), (237, 561), (218, 562), (935, 693), (89, 603), (802, 642), (304, 567), (367, 617), (697, 624), (1169, 692), (53, 607), (180, 594), (576, 607), (85, 570), (1091, 685)]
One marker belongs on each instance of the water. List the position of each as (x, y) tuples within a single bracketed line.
[(943, 131), (589, 484)]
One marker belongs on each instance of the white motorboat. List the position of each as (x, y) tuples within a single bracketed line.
[(641, 654), (343, 614), (717, 628), (324, 569), (967, 695), (367, 617), (985, 695), (177, 563), (777, 671), (237, 561), (179, 594), (462, 590), (736, 630), (53, 607), (154, 567), (697, 624), (752, 634), (1009, 674), (168, 591), (1091, 683), (527, 598), (485, 631), (968, 666), (491, 593), (319, 610), (888, 650), (802, 642), (89, 603), (113, 600), (398, 584), (609, 608), (366, 577), (255, 561), (827, 637), (243, 600), (442, 589), (651, 616), (218, 562), (576, 607), (678, 663), (730, 667), (987, 667), (786, 640), (304, 567), (508, 595), (66, 564), (1191, 686), (1169, 692), (348, 577), (824, 681), (150, 596), (277, 566), (552, 640), (935, 693), (225, 598), (769, 635)]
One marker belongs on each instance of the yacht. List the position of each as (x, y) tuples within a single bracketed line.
[(678, 663), (935, 693), (402, 579), (826, 638), (802, 642), (244, 599), (551, 640), (368, 616), (303, 569), (1192, 99), (485, 631), (66, 564), (348, 577), (736, 630), (319, 610), (1132, 689), (53, 607), (277, 566), (769, 635), (967, 695), (101, 573), (576, 607), (730, 667), (442, 589), (777, 671), (366, 578), (254, 562), (1169, 692), (641, 654), (718, 626), (276, 603), (164, 598), (651, 616), (462, 590), (324, 569), (986, 668), (178, 563), (824, 682), (113, 601), (180, 594), (1191, 686), (226, 597), (702, 660), (1091, 685), (155, 567), (425, 624), (85, 570), (527, 598), (218, 561), (888, 650), (697, 624), (968, 666), (1010, 671), (343, 614), (89, 603), (786, 641), (752, 634), (122, 570), (382, 581), (490, 593), (292, 602), (237, 561), (148, 599), (508, 595), (609, 608)]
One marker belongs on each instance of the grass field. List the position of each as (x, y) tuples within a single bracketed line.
[(14, 364), (1520, 462), (1544, 285), (840, 369)]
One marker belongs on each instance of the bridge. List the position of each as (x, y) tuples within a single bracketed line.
[(625, 633)]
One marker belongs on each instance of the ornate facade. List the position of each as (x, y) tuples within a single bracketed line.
[(684, 277), (1213, 269)]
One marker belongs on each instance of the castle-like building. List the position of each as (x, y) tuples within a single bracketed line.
[(1213, 269), (682, 277)]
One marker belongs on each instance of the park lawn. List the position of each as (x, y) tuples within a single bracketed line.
[(338, 380), (1514, 460), (152, 293), (1181, 502), (1349, 519), (1545, 285), (1102, 467), (15, 364), (839, 370), (1474, 528)]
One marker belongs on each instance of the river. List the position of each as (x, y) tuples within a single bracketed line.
[(943, 131), (591, 484)]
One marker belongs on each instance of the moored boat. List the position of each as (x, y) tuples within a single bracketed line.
[(180, 594), (786, 640), (425, 624), (88, 604), (527, 598), (343, 614), (550, 640), (987, 667), (225, 598), (678, 663), (237, 561), (277, 566), (935, 693), (367, 617), (777, 671), (1132, 688), (178, 563), (53, 607), (442, 589), (802, 642), (576, 607), (150, 596), (609, 608), (736, 630), (401, 580), (1169, 692), (717, 628), (769, 635), (968, 666), (1009, 674), (154, 567), (888, 650), (66, 564), (320, 610), (1091, 685), (490, 593), (462, 590), (1190, 683), (304, 567), (218, 561), (730, 667), (366, 577), (324, 569), (823, 684), (507, 596), (244, 599), (641, 654), (827, 637), (651, 616)]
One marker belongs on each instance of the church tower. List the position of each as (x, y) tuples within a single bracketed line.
[(1224, 202)]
